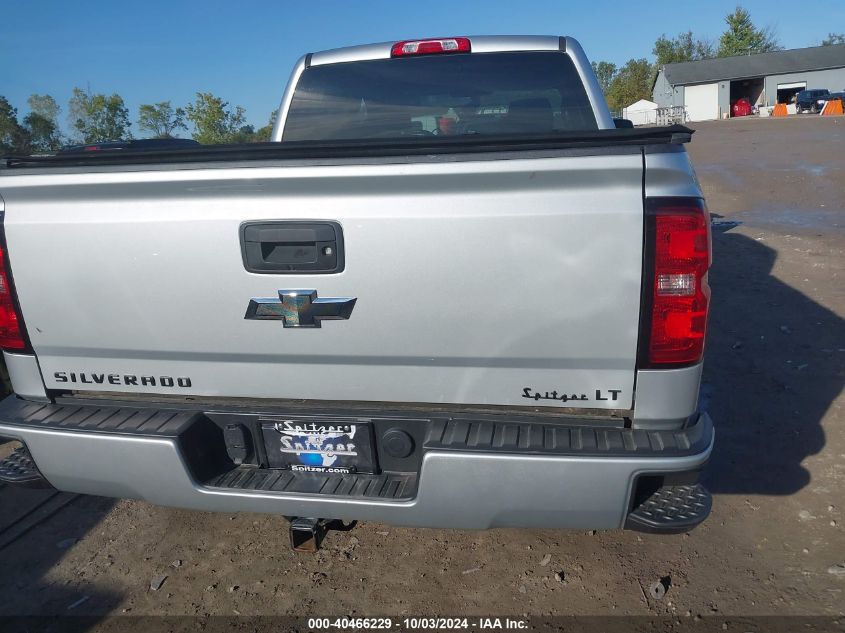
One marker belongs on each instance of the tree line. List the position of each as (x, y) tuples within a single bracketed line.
[(95, 118), (634, 80)]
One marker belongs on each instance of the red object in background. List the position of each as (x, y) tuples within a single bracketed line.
[(445, 125), (742, 107)]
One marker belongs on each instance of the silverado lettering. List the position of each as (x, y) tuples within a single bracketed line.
[(121, 379)]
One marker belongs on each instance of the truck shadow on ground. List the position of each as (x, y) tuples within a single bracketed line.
[(772, 369), (33, 539)]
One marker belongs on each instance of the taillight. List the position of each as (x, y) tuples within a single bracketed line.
[(676, 297), (409, 48), (12, 333)]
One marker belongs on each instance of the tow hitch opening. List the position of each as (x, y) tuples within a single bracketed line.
[(307, 533)]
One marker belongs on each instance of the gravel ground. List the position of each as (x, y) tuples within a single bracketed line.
[(773, 383)]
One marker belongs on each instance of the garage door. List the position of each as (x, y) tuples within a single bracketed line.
[(702, 102)]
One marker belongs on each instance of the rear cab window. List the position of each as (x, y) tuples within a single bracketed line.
[(469, 94)]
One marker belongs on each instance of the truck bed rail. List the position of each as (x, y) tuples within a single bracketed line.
[(305, 150)]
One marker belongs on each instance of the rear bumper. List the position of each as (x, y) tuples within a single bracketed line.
[(455, 486)]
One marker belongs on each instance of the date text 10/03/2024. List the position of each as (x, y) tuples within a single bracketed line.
[(418, 623)]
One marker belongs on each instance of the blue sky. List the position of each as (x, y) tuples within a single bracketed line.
[(243, 50)]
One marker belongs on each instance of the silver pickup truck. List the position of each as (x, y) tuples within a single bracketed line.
[(449, 294)]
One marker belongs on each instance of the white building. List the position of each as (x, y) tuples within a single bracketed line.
[(643, 112)]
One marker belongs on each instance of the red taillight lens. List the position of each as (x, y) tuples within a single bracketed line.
[(430, 47), (678, 241), (12, 336)]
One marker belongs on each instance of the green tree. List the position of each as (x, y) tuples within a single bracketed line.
[(833, 38), (605, 72), (683, 48), (161, 119), (244, 134), (42, 123), (214, 122), (14, 138), (98, 117), (263, 135), (632, 83), (743, 38)]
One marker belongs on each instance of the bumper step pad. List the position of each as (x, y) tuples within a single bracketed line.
[(671, 510), (395, 487), (18, 468)]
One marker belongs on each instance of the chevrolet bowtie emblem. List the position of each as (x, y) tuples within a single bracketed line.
[(299, 308)]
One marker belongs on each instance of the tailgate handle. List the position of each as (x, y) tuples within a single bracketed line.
[(292, 247)]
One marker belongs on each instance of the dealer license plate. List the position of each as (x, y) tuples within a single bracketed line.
[(336, 446)]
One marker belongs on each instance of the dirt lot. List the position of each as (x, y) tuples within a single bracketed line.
[(773, 382)]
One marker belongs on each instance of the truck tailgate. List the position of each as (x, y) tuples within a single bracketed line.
[(496, 282)]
